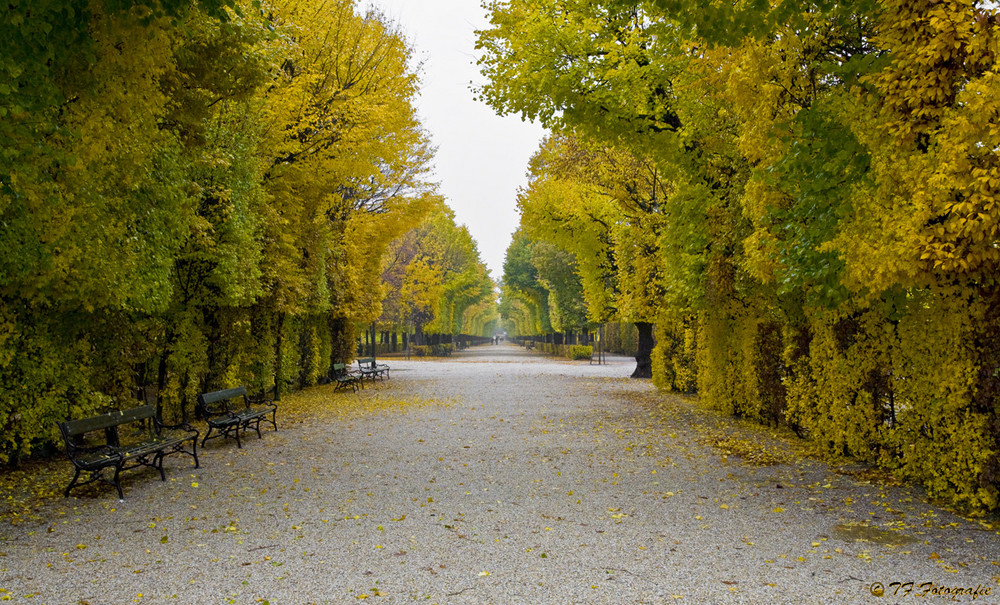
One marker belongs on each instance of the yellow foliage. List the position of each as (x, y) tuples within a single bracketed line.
[(828, 399), (674, 366), (348, 155), (940, 437)]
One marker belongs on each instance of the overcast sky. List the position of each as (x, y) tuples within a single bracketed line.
[(481, 158)]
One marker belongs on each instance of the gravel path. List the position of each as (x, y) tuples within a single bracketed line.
[(496, 477)]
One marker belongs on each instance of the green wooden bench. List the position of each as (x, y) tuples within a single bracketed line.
[(123, 440), (372, 370), (229, 411), (345, 378)]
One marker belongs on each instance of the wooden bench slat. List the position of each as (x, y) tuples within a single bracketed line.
[(75, 428), (98, 458), (217, 396), (143, 412)]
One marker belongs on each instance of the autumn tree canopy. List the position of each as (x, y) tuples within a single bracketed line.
[(195, 195), (821, 245), (436, 282)]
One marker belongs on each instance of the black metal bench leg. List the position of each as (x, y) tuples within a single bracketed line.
[(207, 433), (158, 464), (76, 476), (117, 480)]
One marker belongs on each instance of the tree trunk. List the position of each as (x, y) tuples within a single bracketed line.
[(644, 354)]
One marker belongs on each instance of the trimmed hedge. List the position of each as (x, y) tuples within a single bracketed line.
[(911, 389)]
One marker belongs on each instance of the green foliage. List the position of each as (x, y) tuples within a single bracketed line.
[(603, 207), (558, 274), (577, 352), (38, 387), (599, 66), (620, 338), (817, 175), (520, 282)]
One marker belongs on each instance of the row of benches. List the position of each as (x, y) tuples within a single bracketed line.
[(127, 439), (367, 368)]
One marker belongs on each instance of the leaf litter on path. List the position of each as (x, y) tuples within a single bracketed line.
[(411, 488)]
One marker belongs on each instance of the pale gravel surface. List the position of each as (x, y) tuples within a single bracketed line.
[(526, 480)]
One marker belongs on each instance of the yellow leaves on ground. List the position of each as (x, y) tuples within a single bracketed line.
[(375, 398), (753, 452), (27, 487), (36, 482)]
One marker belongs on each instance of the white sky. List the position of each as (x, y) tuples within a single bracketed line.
[(481, 158)]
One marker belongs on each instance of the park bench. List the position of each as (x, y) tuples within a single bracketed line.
[(229, 411), (372, 370), (345, 378), (123, 440)]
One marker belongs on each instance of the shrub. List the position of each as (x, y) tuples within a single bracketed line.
[(442, 350), (581, 352)]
